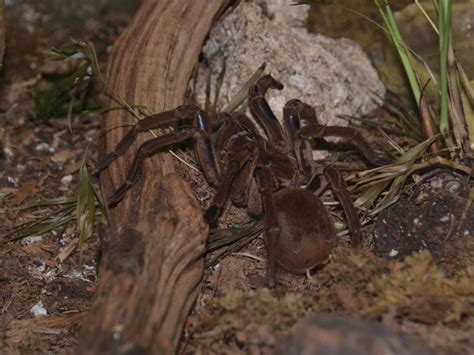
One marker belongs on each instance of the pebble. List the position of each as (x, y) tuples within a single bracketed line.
[(39, 310), (32, 239), (42, 147), (66, 179)]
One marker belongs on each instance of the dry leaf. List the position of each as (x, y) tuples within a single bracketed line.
[(52, 263), (67, 250), (72, 169), (92, 289), (8, 190), (33, 249), (49, 247), (63, 156), (25, 191)]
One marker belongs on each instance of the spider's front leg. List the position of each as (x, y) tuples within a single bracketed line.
[(237, 123), (302, 151), (147, 149), (200, 131), (262, 111), (148, 123), (314, 130)]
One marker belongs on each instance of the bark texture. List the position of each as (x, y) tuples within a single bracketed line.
[(153, 262), (2, 33)]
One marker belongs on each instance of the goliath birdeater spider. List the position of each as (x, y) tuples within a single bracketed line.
[(265, 173)]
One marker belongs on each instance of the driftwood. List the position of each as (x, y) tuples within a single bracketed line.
[(2, 33), (153, 262)]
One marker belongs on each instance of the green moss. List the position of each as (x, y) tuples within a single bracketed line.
[(356, 283), (237, 309), (419, 290)]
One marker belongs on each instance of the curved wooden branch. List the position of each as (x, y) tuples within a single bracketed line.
[(2, 34), (153, 263)]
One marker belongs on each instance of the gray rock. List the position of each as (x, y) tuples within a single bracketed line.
[(334, 76)]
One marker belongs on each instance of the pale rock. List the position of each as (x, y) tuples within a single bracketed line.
[(282, 11), (334, 76)]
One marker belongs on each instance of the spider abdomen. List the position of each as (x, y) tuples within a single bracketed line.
[(305, 230)]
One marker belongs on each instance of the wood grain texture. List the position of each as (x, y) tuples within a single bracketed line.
[(153, 263), (2, 33)]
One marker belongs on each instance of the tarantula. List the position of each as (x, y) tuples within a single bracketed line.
[(266, 174)]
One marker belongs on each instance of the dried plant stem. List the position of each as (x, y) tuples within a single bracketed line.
[(427, 126), (456, 110)]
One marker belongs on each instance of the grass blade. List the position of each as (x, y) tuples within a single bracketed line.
[(241, 96)]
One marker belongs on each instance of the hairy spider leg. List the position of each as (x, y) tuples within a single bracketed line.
[(291, 121), (296, 110), (321, 131), (242, 184), (236, 132), (237, 122), (241, 157), (147, 149), (271, 227), (339, 187), (293, 112), (318, 182), (204, 149), (143, 125), (262, 111)]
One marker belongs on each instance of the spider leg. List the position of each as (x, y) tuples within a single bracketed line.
[(240, 189), (339, 187), (321, 131), (233, 135), (271, 227), (147, 149), (291, 121), (206, 156), (262, 111), (293, 111), (318, 182), (237, 122), (214, 211), (245, 154), (147, 123)]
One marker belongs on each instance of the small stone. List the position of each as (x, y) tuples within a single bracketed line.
[(44, 147), (445, 218), (12, 182), (8, 152), (41, 268), (39, 310), (32, 239), (66, 179)]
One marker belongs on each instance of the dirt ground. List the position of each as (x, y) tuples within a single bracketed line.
[(414, 275), (43, 274)]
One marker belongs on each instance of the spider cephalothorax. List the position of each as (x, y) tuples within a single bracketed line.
[(265, 173)]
